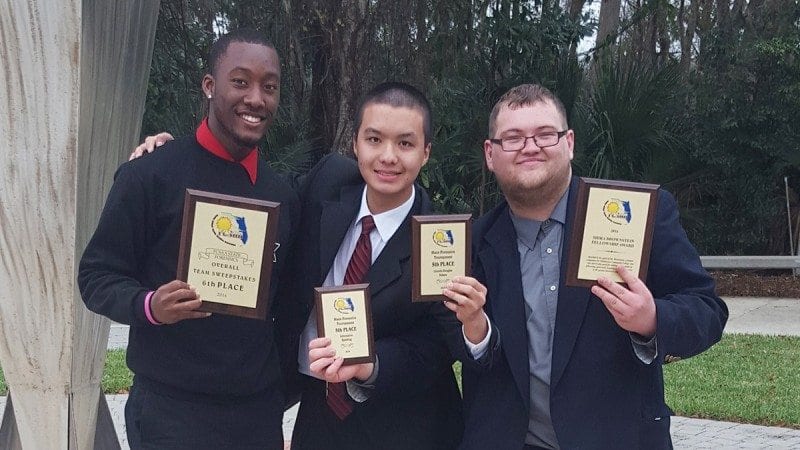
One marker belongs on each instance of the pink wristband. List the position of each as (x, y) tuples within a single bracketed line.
[(147, 312)]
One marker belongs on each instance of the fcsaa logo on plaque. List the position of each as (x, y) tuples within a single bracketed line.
[(443, 238), (230, 229), (344, 305), (617, 211)]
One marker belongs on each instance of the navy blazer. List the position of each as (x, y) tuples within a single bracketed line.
[(415, 402), (601, 395)]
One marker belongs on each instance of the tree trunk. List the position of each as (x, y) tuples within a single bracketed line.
[(608, 22), (574, 10), (321, 76), (350, 35), (341, 32), (687, 22)]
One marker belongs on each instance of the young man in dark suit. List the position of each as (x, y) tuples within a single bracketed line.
[(408, 398), (200, 381), (549, 366)]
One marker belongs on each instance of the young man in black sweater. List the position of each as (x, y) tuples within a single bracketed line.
[(201, 380)]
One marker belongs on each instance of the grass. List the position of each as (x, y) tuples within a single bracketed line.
[(117, 378), (744, 378)]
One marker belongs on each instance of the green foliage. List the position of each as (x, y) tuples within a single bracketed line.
[(287, 148), (627, 127), (747, 135), (455, 175), (714, 121), (744, 378), (174, 98)]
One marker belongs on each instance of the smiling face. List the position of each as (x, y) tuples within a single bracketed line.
[(533, 174), (391, 150), (244, 89)]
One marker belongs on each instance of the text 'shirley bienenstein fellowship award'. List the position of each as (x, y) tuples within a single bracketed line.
[(226, 253), (440, 248), (613, 226), (344, 316)]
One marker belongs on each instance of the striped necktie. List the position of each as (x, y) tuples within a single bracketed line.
[(338, 400)]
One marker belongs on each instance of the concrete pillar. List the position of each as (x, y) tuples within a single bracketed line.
[(72, 89)]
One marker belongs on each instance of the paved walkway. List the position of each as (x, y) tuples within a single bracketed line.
[(747, 315), (758, 315)]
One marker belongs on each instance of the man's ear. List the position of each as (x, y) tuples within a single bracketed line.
[(208, 85), (570, 137), (487, 153)]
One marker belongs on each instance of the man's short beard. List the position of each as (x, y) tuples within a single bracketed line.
[(239, 141), (518, 194), (547, 191), (246, 143)]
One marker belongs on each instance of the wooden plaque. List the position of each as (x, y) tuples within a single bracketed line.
[(226, 252), (440, 251), (344, 315), (613, 225)]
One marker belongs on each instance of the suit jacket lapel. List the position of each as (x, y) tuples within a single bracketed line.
[(334, 222), (572, 302), (388, 267), (508, 303)]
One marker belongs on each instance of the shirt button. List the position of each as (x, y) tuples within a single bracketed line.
[(553, 288), (549, 250)]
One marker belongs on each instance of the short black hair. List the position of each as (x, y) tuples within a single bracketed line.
[(398, 95), (219, 47)]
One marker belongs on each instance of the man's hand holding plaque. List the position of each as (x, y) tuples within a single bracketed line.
[(326, 365), (630, 303), (176, 301), (466, 297)]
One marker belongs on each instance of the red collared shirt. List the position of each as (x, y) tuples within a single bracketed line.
[(207, 139)]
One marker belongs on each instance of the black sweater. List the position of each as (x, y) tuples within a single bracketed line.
[(135, 250)]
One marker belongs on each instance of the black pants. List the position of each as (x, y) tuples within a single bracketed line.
[(317, 428), (158, 421)]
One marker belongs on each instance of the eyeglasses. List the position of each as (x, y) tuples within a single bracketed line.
[(542, 140)]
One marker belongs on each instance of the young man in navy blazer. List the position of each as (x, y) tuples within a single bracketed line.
[(549, 366)]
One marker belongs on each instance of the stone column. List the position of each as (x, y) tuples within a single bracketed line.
[(73, 83)]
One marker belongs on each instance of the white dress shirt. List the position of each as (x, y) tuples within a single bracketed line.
[(386, 224)]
